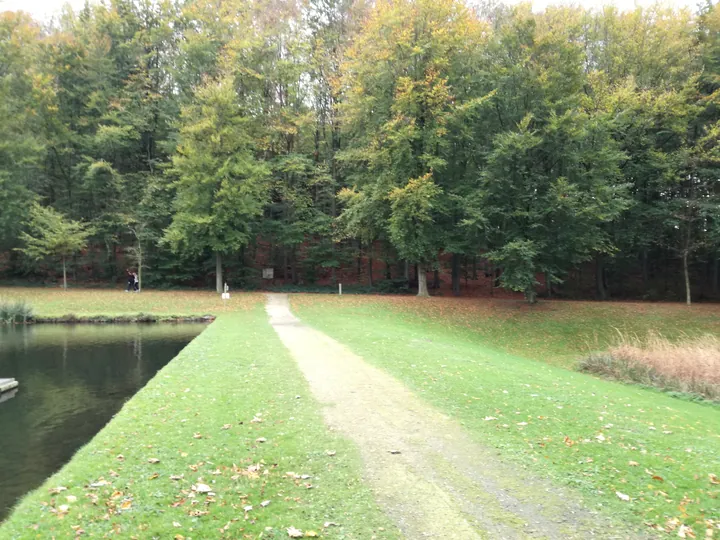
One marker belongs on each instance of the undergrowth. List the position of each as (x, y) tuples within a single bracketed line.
[(15, 311), (689, 366)]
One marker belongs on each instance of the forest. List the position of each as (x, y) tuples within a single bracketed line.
[(201, 140)]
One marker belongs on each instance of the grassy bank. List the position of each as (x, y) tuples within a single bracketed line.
[(633, 452), (225, 442), (89, 303)]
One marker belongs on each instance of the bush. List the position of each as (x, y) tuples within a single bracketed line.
[(690, 366), (15, 312)]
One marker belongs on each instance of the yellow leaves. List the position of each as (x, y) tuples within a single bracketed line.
[(126, 504)]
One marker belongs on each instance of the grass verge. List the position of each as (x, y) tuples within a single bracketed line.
[(225, 442), (80, 304), (641, 455)]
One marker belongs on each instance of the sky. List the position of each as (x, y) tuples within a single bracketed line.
[(45, 9)]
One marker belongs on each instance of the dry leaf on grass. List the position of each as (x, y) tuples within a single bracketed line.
[(294, 533), (622, 496), (153, 460)]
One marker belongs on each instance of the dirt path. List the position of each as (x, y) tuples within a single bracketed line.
[(429, 476)]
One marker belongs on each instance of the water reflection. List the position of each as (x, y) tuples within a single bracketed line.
[(73, 379)]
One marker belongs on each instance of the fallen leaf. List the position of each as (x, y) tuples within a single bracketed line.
[(60, 489), (71, 498), (330, 524), (685, 532), (247, 508), (658, 478), (177, 524), (125, 505), (264, 503), (120, 457), (331, 452), (294, 533), (311, 534), (227, 426), (261, 439), (394, 451), (153, 476), (177, 477), (600, 437), (153, 460), (202, 488), (714, 479), (622, 496), (488, 418), (633, 463), (64, 508), (197, 436)]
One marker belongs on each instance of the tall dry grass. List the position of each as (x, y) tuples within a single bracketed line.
[(690, 365)]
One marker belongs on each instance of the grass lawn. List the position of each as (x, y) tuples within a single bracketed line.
[(225, 442), (93, 302), (477, 361)]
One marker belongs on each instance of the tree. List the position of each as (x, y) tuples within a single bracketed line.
[(53, 235), (405, 76), (221, 187)]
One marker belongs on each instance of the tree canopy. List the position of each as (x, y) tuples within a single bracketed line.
[(571, 151)]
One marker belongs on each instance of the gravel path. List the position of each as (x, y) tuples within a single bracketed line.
[(429, 476)]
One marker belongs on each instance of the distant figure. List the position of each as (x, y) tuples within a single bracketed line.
[(130, 281), (136, 282)]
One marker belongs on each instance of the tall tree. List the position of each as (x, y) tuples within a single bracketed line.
[(221, 187)]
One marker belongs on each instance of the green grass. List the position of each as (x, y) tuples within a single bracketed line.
[(85, 303), (597, 436), (200, 418)]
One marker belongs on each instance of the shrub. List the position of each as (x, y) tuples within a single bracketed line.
[(15, 311), (688, 366)]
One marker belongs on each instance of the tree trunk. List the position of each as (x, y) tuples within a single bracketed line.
[(407, 271), (370, 265), (716, 271), (644, 263), (140, 265), (218, 273), (388, 273), (64, 273), (456, 274), (600, 278), (436, 279), (531, 295), (422, 281), (548, 285), (687, 276)]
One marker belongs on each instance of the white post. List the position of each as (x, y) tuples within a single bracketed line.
[(340, 289)]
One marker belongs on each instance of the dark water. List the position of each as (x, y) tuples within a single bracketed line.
[(73, 379)]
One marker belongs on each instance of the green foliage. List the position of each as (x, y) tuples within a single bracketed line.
[(182, 131)]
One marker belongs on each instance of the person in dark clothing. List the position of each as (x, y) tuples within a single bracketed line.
[(136, 282), (130, 281)]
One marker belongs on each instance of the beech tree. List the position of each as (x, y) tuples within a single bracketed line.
[(221, 187)]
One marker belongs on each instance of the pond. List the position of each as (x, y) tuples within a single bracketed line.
[(73, 379)]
